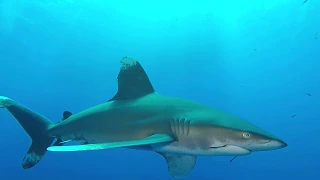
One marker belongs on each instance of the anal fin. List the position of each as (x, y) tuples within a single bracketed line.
[(58, 142), (179, 165)]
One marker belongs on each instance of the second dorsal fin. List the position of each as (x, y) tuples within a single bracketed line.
[(65, 115), (133, 82)]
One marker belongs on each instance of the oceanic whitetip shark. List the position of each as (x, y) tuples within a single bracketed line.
[(139, 118)]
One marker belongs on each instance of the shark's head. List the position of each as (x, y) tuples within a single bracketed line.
[(252, 140), (226, 130)]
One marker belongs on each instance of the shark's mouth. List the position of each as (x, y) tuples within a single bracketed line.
[(230, 150), (216, 147)]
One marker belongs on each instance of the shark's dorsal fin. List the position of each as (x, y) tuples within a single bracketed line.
[(179, 165), (66, 115), (133, 82)]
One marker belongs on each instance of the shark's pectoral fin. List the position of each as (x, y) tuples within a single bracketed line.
[(179, 165), (156, 138)]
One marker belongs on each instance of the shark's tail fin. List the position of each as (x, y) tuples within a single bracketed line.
[(35, 125)]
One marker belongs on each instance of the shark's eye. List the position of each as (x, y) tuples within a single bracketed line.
[(246, 135)]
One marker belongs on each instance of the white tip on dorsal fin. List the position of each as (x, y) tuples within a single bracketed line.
[(5, 101)]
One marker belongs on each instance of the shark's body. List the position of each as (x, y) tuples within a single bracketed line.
[(139, 118), (127, 120)]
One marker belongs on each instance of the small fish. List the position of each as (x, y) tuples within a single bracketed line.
[(308, 94), (233, 158), (293, 116), (304, 2)]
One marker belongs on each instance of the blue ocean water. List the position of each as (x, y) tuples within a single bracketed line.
[(256, 59)]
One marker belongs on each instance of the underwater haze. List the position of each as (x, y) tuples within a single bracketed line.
[(259, 60)]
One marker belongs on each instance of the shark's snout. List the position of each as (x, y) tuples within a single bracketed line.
[(278, 144), (272, 144)]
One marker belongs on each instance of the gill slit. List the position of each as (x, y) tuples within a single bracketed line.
[(180, 127)]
